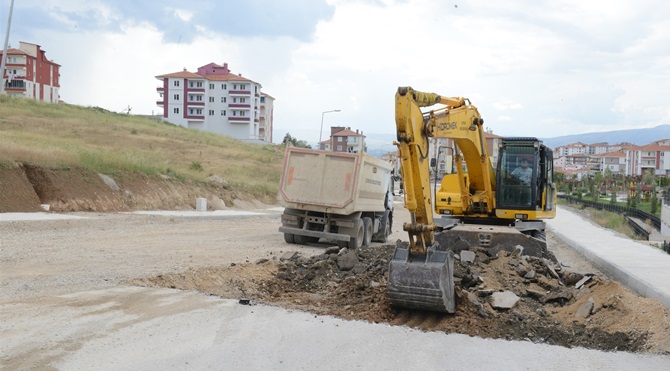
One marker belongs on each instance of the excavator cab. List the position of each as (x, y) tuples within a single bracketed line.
[(524, 180)]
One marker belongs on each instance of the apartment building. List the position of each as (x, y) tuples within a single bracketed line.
[(215, 99), (29, 74), (624, 158), (343, 139)]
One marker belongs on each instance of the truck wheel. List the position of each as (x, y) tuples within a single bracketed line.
[(384, 231), (367, 231), (289, 238), (356, 241)]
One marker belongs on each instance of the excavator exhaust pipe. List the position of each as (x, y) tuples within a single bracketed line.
[(424, 282)]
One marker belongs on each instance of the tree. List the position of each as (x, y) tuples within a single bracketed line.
[(288, 139)]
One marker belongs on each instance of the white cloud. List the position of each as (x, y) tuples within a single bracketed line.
[(562, 67), (181, 14)]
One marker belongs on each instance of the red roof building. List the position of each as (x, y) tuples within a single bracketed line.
[(217, 100), (28, 73)]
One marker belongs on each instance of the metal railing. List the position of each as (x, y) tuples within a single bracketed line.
[(635, 213)]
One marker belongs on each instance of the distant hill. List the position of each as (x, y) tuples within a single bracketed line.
[(635, 136)]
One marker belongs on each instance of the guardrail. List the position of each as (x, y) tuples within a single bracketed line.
[(635, 213), (638, 228)]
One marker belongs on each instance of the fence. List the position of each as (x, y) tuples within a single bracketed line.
[(635, 213), (626, 211)]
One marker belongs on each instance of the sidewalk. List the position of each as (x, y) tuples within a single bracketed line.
[(643, 268)]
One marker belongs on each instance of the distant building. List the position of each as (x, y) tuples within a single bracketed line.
[(216, 100), (343, 139), (29, 74)]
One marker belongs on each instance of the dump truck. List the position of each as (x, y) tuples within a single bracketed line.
[(339, 196)]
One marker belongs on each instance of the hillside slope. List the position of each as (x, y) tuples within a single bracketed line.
[(86, 159)]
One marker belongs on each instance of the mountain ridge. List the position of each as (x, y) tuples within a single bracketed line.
[(634, 136)]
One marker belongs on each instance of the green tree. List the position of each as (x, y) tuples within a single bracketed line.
[(288, 139)]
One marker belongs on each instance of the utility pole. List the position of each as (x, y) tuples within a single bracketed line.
[(4, 50)]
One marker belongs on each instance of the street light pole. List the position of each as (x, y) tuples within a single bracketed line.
[(4, 50), (321, 131)]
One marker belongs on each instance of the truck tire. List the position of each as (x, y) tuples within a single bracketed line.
[(367, 231), (289, 238), (356, 241), (384, 228), (300, 240)]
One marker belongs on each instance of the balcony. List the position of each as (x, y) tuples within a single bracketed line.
[(160, 89), (16, 85), (239, 105), (195, 103), (239, 92), (239, 120), (194, 117), (160, 103)]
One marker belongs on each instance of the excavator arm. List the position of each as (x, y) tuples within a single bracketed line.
[(458, 120)]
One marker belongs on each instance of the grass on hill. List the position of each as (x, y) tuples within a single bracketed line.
[(64, 136)]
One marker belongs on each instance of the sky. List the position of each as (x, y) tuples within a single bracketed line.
[(532, 68)]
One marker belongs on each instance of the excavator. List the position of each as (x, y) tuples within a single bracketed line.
[(479, 207)]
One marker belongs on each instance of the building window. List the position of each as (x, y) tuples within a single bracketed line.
[(339, 139), (262, 99), (224, 86), (339, 148), (176, 83), (211, 99), (176, 97), (243, 100), (223, 112), (234, 100), (211, 112), (176, 110), (243, 87), (211, 86)]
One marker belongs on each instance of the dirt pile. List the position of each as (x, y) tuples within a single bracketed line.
[(553, 305)]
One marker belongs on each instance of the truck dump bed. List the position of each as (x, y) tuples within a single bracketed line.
[(333, 182)]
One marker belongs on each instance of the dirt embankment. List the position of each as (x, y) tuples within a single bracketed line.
[(26, 187)]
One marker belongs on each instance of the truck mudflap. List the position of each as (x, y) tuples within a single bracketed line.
[(424, 282)]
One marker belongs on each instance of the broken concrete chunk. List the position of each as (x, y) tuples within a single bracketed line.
[(262, 260), (347, 261), (504, 300), (551, 269), (586, 309), (332, 250), (289, 255), (530, 275), (584, 280), (468, 256)]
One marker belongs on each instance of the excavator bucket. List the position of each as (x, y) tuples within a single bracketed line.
[(424, 282)]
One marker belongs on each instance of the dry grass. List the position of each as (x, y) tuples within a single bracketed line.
[(63, 135)]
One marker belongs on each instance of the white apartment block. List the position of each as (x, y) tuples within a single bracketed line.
[(216, 100)]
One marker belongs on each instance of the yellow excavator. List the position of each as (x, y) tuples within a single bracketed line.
[(480, 207)]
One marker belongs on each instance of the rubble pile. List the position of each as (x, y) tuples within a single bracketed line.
[(503, 295)]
